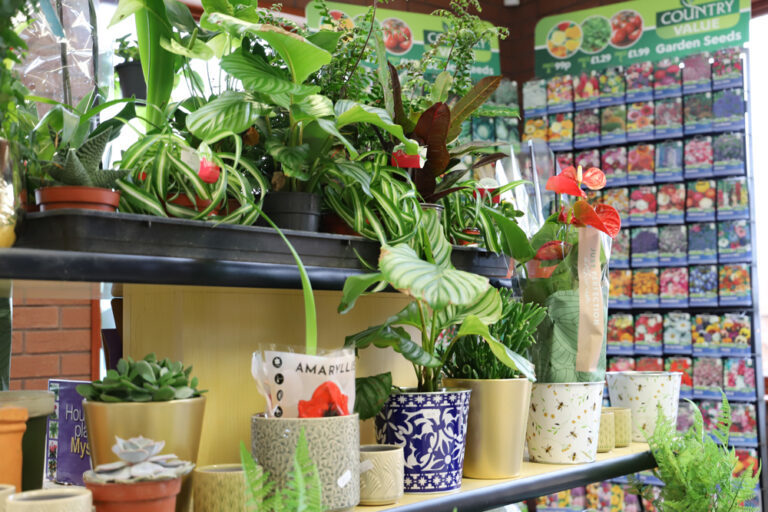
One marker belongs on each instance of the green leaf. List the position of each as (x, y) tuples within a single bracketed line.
[(482, 90), (487, 308), (144, 370), (371, 393), (383, 336), (354, 287), (440, 247), (92, 151), (180, 16), (325, 39), (87, 391), (304, 490), (514, 240), (441, 87), (438, 286), (231, 111), (164, 394), (330, 128), (152, 27), (357, 173), (139, 198), (125, 8), (472, 325), (122, 367), (349, 112), (183, 392), (257, 74), (311, 108), (257, 482), (199, 49), (71, 173), (382, 73), (293, 159)]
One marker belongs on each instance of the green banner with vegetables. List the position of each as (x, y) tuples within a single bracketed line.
[(623, 33), (407, 35)]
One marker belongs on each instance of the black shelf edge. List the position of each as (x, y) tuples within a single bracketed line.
[(513, 491)]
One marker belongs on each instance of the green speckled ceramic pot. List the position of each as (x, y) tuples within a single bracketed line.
[(219, 488)]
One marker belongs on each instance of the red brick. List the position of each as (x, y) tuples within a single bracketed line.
[(18, 301), (38, 384), (56, 302), (76, 364), (35, 366), (16, 384), (17, 342), (76, 340), (76, 316), (25, 317)]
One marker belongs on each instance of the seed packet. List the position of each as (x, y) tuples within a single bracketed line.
[(642, 205), (707, 376), (560, 94), (735, 285), (697, 73), (507, 129), (640, 121), (744, 425), (684, 365), (649, 364), (620, 290), (631, 501), (706, 334), (645, 290), (667, 79), (685, 416), (648, 333), (484, 128), (747, 461), (619, 199), (732, 199), (702, 285), (671, 203), (621, 364), (699, 157), (612, 87), (673, 245), (736, 334), (739, 379), (710, 410), (614, 160), (669, 161), (645, 246), (586, 90), (673, 287), (613, 124), (560, 131), (702, 243), (620, 249), (669, 118), (733, 241), (588, 158), (586, 128), (697, 113), (640, 164), (728, 154), (700, 201), (649, 502), (465, 135), (535, 128), (535, 98), (564, 160), (621, 334), (554, 502), (639, 80), (727, 70), (677, 333), (728, 110)]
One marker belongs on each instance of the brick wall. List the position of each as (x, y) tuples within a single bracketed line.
[(51, 339)]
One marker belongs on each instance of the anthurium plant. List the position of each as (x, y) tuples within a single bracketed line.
[(568, 274)]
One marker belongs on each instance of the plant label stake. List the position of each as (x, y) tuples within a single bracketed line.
[(591, 311)]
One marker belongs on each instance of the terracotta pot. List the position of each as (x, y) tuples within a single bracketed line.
[(199, 205), (61, 499), (83, 198), (475, 232), (158, 496), (330, 222), (13, 423)]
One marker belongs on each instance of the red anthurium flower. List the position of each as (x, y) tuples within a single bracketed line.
[(552, 250), (209, 172), (327, 400), (569, 181), (602, 217)]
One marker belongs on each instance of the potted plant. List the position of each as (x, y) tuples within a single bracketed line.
[(129, 71), (141, 480), (71, 499), (430, 421), (151, 396), (643, 393), (496, 430), (697, 467)]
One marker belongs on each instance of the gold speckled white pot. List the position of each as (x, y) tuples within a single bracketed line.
[(643, 392), (69, 499), (219, 488), (564, 421), (5, 491)]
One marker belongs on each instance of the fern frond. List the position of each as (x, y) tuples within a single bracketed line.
[(257, 483), (303, 493), (723, 429)]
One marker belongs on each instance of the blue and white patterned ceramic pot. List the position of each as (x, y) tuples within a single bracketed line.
[(432, 429)]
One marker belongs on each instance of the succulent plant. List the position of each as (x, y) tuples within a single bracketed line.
[(146, 380), (139, 462), (80, 166)]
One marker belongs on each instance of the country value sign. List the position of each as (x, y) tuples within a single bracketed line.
[(623, 33)]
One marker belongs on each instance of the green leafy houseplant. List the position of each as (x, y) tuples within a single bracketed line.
[(127, 50), (145, 380), (471, 358), (81, 166), (696, 469)]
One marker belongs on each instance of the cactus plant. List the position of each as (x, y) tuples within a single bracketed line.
[(80, 166), (146, 380), (139, 462)]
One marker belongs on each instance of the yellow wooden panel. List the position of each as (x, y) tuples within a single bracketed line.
[(217, 329)]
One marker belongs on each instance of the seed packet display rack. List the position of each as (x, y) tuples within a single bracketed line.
[(748, 304)]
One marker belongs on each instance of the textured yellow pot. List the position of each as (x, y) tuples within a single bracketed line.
[(498, 415), (178, 422), (219, 488)]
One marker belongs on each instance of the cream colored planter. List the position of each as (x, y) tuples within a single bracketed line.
[(72, 499), (219, 488), (606, 440), (382, 469), (643, 393), (622, 425), (5, 491)]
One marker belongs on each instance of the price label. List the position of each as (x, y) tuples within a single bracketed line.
[(562, 66), (637, 53), (600, 59)]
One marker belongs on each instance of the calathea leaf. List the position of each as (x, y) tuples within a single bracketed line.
[(312, 107), (371, 393), (354, 287), (257, 74), (383, 336), (487, 308), (293, 159), (232, 111)]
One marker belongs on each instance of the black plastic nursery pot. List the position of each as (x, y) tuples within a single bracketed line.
[(132, 80), (294, 210)]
